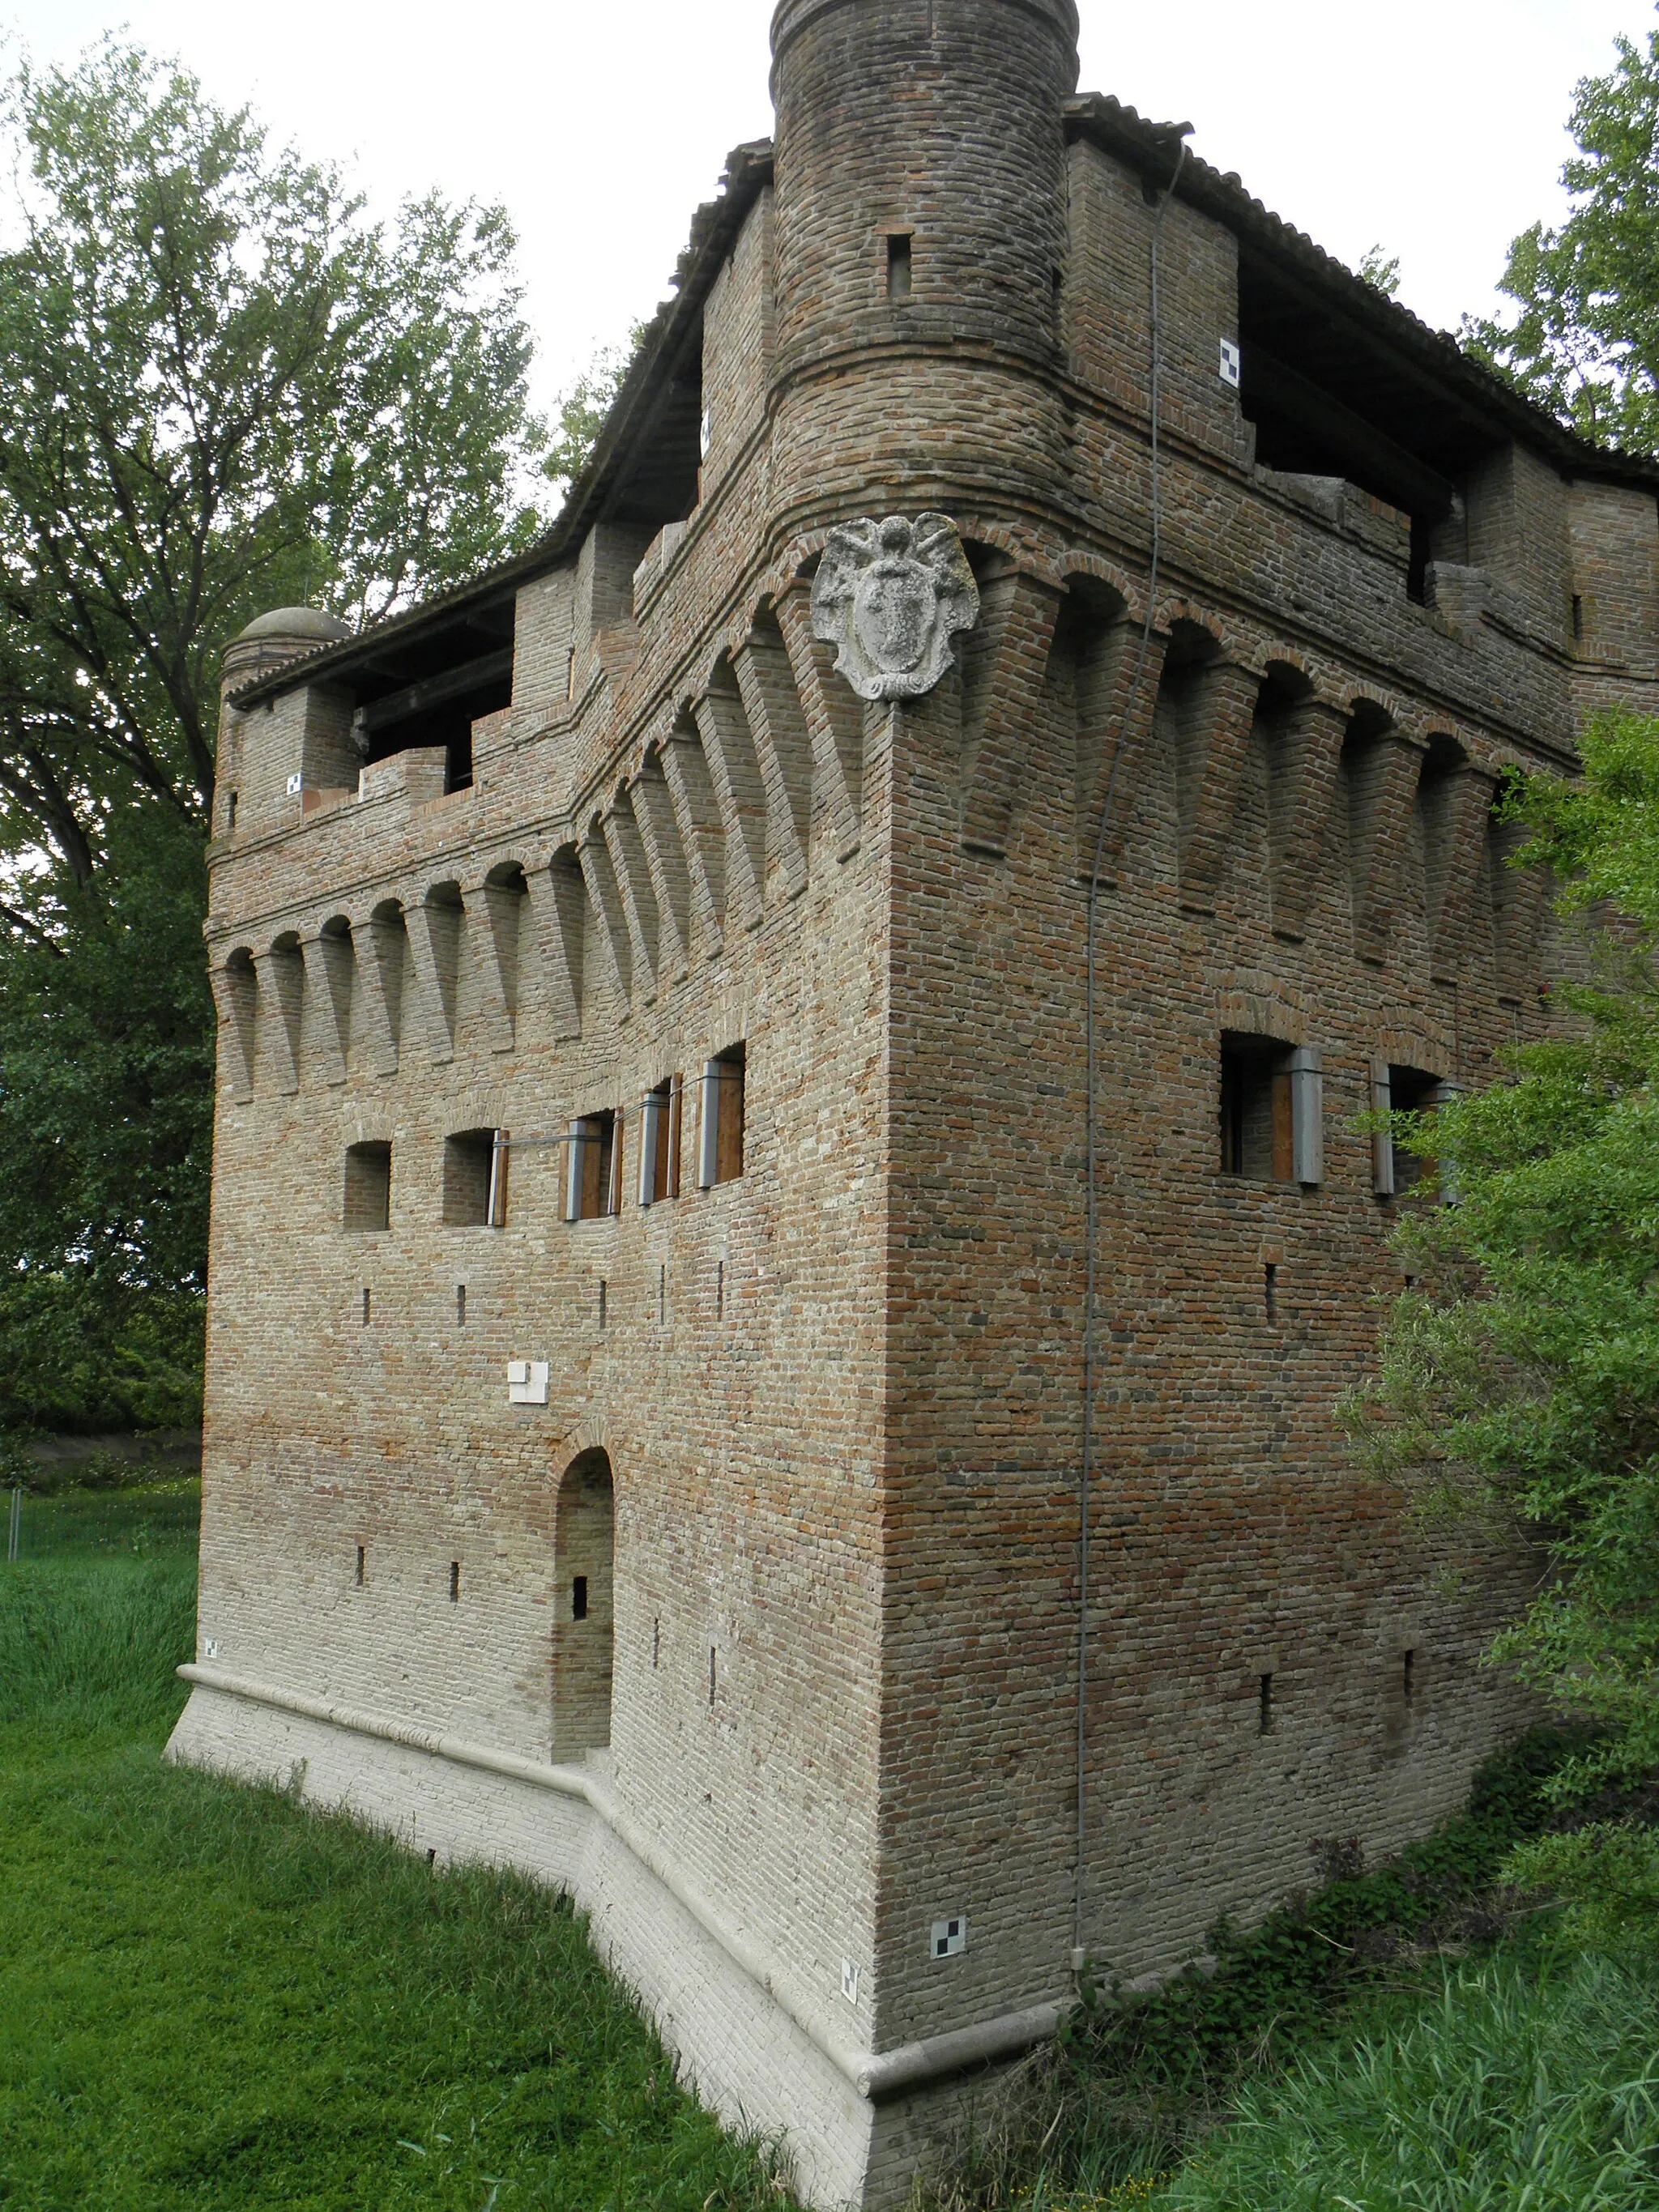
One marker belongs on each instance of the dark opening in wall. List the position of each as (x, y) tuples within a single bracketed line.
[(1264, 1714), (711, 1678), (454, 1581), (460, 1305), (475, 1180), (1396, 1090), (898, 266), (230, 796), (1408, 1676), (605, 1293), (361, 1563), (1255, 1106), (365, 1306), (578, 1597), (1577, 631), (367, 1203), (1270, 1109), (720, 1130), (593, 1166), (426, 688), (1270, 1290), (1330, 396)]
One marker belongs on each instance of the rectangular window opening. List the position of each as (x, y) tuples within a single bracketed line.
[(593, 1167), (720, 1138), (1577, 631), (603, 1299), (711, 1678), (230, 796), (454, 1581), (656, 1643), (1265, 1706), (474, 1179), (1271, 1110), (720, 1289), (898, 264), (578, 1597), (1407, 1090), (365, 1306), (662, 1295), (1270, 1290), (367, 1208), (361, 1563), (460, 1305)]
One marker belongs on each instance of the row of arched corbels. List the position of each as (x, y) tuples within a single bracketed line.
[(714, 815)]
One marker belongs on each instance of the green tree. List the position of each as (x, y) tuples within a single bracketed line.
[(1518, 1388), (1585, 343), (581, 412), (222, 388)]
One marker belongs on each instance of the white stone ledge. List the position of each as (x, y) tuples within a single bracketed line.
[(873, 2074)]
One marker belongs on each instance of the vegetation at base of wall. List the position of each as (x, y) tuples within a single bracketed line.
[(1512, 2085), (214, 1996), (1135, 2081)]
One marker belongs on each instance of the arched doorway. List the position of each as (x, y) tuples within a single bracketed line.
[(583, 1632)]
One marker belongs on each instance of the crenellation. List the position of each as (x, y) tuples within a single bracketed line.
[(650, 1221)]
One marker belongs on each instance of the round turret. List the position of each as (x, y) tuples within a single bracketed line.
[(272, 639), (920, 226)]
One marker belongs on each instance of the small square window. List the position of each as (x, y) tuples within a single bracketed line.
[(368, 1204), (475, 1180)]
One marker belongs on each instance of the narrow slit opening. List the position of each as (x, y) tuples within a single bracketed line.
[(578, 1597), (360, 1564), (1270, 1290), (460, 1305), (1265, 1706), (454, 1581), (898, 266)]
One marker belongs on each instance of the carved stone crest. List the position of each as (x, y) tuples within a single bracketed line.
[(892, 595)]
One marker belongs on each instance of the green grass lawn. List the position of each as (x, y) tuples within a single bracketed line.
[(210, 1998)]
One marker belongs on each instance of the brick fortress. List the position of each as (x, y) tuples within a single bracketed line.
[(651, 1244)]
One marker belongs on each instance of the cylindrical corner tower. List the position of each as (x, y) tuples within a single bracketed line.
[(920, 230)]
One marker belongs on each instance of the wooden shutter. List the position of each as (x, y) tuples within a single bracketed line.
[(495, 1206), (1383, 1177), (652, 1115), (728, 1154), (1308, 1115), (613, 1196), (669, 1170), (708, 1126), (1443, 1095), (575, 1174), (1283, 1108)]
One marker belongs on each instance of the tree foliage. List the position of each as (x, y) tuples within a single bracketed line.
[(581, 412), (1585, 341), (1518, 1388), (222, 388)]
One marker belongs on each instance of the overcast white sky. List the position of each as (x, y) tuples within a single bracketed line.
[(1434, 127)]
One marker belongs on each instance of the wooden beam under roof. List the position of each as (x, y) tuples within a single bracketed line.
[(435, 690), (1379, 465)]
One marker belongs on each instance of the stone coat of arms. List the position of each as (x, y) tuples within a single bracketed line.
[(892, 595)]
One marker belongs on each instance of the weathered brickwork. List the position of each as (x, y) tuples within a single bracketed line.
[(715, 1553)]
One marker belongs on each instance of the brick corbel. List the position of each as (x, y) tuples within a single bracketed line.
[(558, 897), (434, 942), (734, 773), (1302, 774), (834, 717), (235, 995), (702, 841), (665, 861), (1214, 745), (329, 965), (1005, 662), (281, 1004), (1380, 830), (634, 886), (783, 751), (605, 904)]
